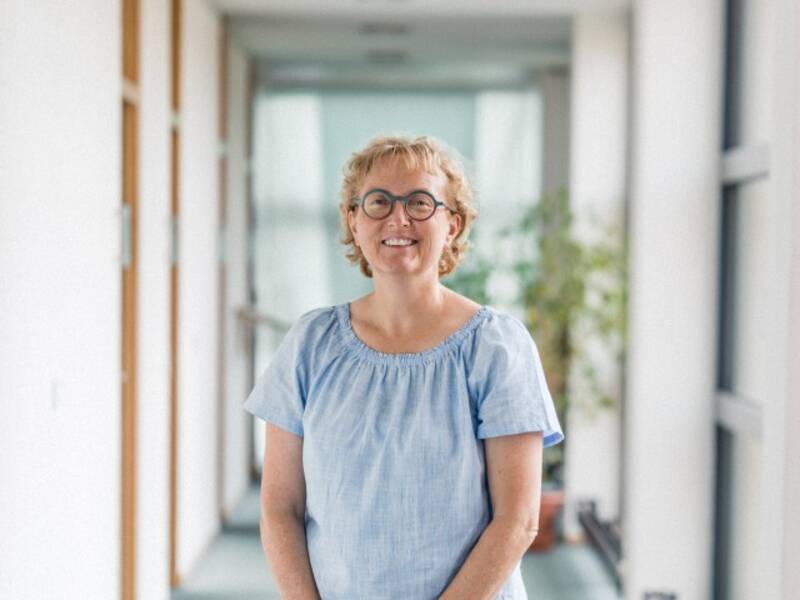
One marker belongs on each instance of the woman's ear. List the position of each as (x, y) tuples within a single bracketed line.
[(454, 227), (351, 221)]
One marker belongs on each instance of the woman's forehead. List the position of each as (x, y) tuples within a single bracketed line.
[(396, 170)]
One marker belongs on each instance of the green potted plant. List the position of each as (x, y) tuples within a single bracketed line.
[(565, 285)]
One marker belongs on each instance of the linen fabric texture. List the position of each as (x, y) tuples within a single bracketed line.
[(393, 454)]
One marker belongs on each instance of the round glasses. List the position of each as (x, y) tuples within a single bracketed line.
[(419, 204)]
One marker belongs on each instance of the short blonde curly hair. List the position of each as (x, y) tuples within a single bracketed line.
[(423, 152)]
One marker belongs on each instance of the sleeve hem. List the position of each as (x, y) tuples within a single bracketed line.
[(284, 423), (550, 436)]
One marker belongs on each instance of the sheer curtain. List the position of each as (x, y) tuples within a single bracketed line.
[(290, 255), (508, 174)]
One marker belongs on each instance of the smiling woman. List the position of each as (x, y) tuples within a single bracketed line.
[(423, 170), (405, 428), (379, 219)]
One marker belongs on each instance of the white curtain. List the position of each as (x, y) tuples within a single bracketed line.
[(291, 258), (508, 173)]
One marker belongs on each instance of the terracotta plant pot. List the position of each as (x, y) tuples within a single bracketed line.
[(550, 507)]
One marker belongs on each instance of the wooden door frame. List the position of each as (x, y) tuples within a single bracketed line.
[(175, 103), (130, 15)]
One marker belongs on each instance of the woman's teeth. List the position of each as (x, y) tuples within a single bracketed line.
[(399, 242)]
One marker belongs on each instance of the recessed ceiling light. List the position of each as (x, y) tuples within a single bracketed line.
[(387, 56), (383, 28)]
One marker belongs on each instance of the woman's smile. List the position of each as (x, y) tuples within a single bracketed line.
[(399, 242)]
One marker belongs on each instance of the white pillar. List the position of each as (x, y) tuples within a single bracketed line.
[(60, 299), (198, 230), (153, 302), (237, 384), (781, 481), (674, 214), (597, 193)]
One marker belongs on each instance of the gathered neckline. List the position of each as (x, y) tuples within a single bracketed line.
[(343, 314)]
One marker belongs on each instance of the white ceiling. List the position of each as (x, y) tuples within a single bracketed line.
[(421, 8), (381, 44)]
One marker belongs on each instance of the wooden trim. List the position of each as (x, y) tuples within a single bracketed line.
[(224, 45), (175, 96), (129, 408), (129, 411), (130, 40), (175, 55), (130, 91), (173, 416)]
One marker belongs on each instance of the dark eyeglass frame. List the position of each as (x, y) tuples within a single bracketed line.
[(403, 200)]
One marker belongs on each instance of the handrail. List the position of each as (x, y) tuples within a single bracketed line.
[(605, 537), (252, 317)]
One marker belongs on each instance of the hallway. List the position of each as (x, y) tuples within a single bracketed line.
[(234, 568), (171, 203)]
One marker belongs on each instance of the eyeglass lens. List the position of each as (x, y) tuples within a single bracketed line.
[(377, 205)]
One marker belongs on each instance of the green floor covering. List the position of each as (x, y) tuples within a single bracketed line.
[(235, 568)]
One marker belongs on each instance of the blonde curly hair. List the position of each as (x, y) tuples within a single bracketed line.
[(423, 152)]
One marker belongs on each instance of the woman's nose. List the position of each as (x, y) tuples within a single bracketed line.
[(398, 213)]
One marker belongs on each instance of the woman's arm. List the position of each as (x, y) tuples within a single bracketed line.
[(283, 503), (514, 467)]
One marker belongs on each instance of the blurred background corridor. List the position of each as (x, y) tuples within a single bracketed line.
[(169, 188)]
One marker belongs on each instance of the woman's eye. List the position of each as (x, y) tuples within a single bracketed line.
[(421, 204)]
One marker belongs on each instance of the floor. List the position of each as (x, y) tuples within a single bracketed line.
[(235, 568)]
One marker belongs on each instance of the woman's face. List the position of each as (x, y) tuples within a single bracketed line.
[(430, 237)]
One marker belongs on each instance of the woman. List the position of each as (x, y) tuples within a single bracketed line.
[(404, 429)]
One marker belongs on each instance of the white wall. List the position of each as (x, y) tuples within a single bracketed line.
[(198, 516), (597, 196), (781, 485), (237, 459), (152, 558), (786, 174), (60, 297), (60, 302), (669, 417)]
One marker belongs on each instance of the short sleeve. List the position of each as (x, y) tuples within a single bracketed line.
[(278, 395), (508, 381)]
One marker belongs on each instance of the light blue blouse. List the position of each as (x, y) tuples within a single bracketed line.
[(393, 452)]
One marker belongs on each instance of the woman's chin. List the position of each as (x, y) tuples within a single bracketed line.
[(405, 267)]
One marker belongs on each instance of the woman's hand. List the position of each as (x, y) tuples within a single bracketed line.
[(514, 467), (283, 504)]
